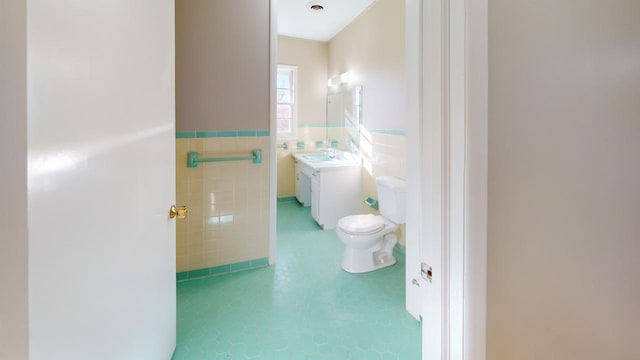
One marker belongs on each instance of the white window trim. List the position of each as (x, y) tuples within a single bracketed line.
[(294, 121)]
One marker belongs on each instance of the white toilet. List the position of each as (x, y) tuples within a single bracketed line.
[(370, 239)]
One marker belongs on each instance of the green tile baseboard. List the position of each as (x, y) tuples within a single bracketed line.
[(400, 249), (222, 269), (220, 134), (286, 199)]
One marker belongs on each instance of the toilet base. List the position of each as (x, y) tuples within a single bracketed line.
[(361, 261)]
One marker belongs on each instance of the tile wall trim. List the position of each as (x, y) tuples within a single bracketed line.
[(220, 134), (387, 132), (312, 125), (320, 126), (399, 250), (222, 269), (286, 199), (251, 133)]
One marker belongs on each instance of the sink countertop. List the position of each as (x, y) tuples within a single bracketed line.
[(318, 160)]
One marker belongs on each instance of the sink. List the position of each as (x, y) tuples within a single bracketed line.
[(317, 157)]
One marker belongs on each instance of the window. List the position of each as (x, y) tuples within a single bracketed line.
[(286, 117)]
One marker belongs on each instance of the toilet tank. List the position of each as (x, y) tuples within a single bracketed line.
[(391, 198)]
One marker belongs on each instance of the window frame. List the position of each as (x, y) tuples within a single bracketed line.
[(293, 134)]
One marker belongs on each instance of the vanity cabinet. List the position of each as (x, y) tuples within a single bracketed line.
[(315, 199), (334, 191), (303, 185)]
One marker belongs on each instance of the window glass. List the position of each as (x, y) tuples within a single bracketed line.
[(286, 112)]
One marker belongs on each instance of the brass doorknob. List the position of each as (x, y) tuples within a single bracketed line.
[(180, 213)]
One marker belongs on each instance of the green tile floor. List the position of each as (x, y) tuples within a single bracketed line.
[(304, 307)]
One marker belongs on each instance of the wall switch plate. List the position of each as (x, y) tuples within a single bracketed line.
[(426, 272)]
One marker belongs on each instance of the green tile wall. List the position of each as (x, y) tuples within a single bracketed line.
[(222, 269), (211, 134)]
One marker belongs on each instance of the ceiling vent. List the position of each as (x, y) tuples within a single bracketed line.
[(315, 7)]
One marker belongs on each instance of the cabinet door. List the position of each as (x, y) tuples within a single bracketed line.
[(297, 174), (315, 197)]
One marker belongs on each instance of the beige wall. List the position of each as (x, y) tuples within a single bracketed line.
[(222, 84), (286, 174), (13, 192), (228, 203), (372, 50), (222, 65), (564, 203), (311, 58)]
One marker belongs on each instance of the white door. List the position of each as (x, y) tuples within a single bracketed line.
[(101, 179), (446, 231)]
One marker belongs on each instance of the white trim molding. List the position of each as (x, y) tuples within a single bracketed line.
[(476, 184), (447, 109), (414, 151)]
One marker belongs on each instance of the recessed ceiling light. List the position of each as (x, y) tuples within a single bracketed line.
[(315, 6)]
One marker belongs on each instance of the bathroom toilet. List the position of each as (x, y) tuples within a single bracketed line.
[(370, 239)]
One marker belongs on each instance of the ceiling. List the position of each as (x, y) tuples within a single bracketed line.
[(295, 19)]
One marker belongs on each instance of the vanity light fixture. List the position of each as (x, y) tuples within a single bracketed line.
[(339, 79)]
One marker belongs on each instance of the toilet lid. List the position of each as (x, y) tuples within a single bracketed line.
[(361, 224)]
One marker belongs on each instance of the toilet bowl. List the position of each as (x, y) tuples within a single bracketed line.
[(369, 239), (367, 250)]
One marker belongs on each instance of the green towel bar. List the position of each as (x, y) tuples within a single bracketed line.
[(193, 158)]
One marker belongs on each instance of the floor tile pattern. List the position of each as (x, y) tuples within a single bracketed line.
[(305, 307)]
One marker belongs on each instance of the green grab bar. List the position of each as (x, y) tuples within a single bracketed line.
[(193, 158)]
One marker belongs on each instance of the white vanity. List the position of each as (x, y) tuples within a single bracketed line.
[(331, 186)]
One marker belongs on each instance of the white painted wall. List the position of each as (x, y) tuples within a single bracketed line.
[(101, 179), (311, 57), (372, 50), (564, 203), (13, 192)]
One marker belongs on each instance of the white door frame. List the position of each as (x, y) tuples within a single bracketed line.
[(273, 130), (447, 170)]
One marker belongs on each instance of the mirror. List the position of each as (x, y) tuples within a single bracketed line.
[(344, 116)]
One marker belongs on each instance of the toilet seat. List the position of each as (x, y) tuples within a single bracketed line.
[(361, 224)]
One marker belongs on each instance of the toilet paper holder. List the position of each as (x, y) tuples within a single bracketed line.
[(371, 202)]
